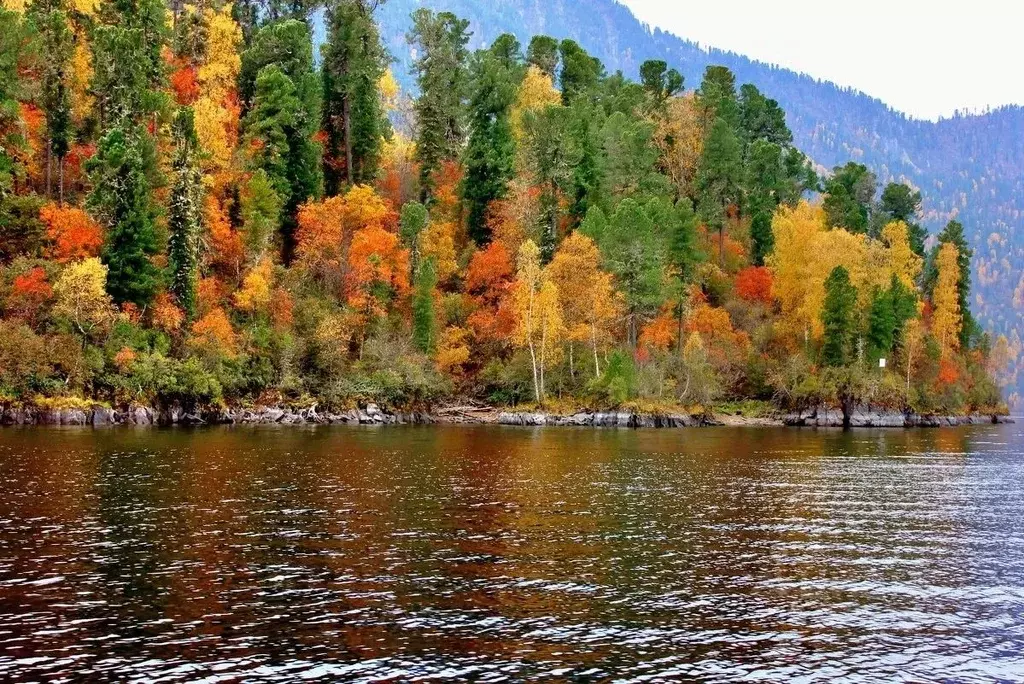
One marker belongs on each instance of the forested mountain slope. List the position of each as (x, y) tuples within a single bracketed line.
[(968, 166)]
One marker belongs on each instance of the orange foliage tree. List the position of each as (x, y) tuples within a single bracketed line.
[(754, 284), (30, 291), (73, 234), (378, 271), (490, 277)]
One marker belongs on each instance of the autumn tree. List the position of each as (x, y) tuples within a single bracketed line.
[(947, 317), (586, 296), (902, 203), (72, 233), (80, 297), (540, 328), (440, 40)]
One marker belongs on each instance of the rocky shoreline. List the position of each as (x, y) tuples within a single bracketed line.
[(473, 415)]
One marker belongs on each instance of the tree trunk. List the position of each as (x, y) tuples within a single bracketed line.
[(679, 332), (346, 108), (593, 339), (49, 165), (536, 382), (60, 184), (543, 347)]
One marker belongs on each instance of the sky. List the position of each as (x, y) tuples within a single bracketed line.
[(925, 58)]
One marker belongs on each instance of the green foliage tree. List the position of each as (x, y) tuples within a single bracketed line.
[(551, 158), (279, 128), (901, 203), (354, 60), (659, 81), (122, 201), (442, 75), (490, 153), (849, 195), (634, 251), (184, 219), (424, 323), (718, 177), (717, 96), (580, 72), (543, 54), (57, 44), (837, 316)]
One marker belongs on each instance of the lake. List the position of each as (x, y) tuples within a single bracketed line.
[(494, 554)]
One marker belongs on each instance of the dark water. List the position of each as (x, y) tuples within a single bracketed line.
[(504, 554)]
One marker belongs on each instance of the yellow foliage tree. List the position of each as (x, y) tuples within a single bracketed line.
[(539, 318), (806, 251), (589, 303), (946, 317), (679, 137), (536, 92), (453, 350), (80, 296), (903, 262), (438, 241), (217, 109), (254, 295)]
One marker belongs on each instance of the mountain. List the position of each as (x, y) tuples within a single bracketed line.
[(970, 166)]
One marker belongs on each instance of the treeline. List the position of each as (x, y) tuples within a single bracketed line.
[(193, 209)]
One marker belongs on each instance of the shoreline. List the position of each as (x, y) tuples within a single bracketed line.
[(101, 416)]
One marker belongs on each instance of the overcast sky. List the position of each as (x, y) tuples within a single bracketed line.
[(920, 56)]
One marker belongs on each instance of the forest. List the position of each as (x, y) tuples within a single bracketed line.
[(198, 208)]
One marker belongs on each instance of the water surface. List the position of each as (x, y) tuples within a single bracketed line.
[(493, 554)]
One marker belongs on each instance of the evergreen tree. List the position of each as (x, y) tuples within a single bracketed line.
[(184, 219), (837, 317), (761, 118), (442, 75), (283, 117), (550, 157), (901, 203), (414, 218), (490, 153), (543, 54), (580, 72), (718, 178), (659, 81), (58, 46), (849, 196), (121, 201), (881, 325), (717, 96), (354, 60), (423, 320)]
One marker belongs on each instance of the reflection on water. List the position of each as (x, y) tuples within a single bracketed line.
[(501, 554)]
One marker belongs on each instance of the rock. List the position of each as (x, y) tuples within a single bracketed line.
[(102, 416)]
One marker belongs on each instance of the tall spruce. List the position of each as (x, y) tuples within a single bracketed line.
[(424, 324), (354, 60), (57, 43), (837, 316), (490, 152), (442, 75), (184, 220), (121, 200)]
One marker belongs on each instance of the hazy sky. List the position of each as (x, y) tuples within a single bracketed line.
[(927, 58)]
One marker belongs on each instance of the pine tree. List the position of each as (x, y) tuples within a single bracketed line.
[(837, 318), (543, 54), (184, 219), (58, 46), (490, 153), (424, 324), (580, 72), (901, 203), (121, 201), (441, 73), (354, 119), (849, 197), (718, 177)]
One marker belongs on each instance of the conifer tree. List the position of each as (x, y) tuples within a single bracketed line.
[(718, 177), (837, 318), (354, 120), (121, 201), (490, 153), (184, 214), (442, 75), (424, 324)]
